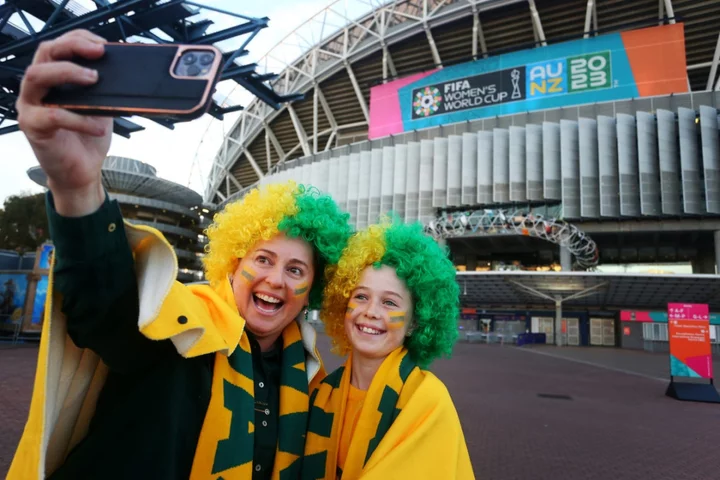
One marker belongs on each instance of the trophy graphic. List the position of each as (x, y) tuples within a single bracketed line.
[(515, 75)]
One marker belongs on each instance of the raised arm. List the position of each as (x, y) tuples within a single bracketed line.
[(94, 269), (95, 275)]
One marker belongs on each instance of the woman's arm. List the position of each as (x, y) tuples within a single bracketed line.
[(95, 274)]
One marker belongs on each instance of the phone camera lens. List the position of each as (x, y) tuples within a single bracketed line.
[(189, 59), (193, 70), (206, 59)]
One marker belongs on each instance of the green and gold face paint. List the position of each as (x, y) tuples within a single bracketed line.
[(301, 289), (351, 306), (397, 319), (248, 274)]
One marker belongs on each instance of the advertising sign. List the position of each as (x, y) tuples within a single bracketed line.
[(656, 317), (38, 313), (618, 66), (689, 334), (45, 256), (13, 290), (486, 89)]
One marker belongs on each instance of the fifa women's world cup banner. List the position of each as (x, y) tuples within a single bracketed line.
[(639, 63)]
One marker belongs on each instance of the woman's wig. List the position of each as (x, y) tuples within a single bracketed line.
[(298, 211), (418, 261)]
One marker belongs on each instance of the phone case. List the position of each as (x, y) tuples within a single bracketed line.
[(140, 79)]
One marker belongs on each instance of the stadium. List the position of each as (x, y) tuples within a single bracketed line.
[(146, 199), (535, 137)]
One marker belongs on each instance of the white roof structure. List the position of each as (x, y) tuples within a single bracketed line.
[(135, 178), (586, 290)]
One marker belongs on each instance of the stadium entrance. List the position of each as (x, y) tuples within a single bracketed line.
[(579, 308)]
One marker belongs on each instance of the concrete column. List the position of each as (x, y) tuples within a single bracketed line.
[(717, 251), (565, 259), (471, 263), (558, 321)]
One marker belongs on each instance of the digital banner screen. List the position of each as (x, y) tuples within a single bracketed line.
[(618, 66), (689, 335)]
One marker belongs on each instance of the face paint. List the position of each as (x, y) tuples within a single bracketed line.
[(248, 274), (397, 319), (351, 306), (302, 288)]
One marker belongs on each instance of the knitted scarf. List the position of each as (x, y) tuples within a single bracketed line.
[(225, 446), (391, 388)]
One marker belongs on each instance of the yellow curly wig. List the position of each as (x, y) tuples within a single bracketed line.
[(364, 248), (298, 211)]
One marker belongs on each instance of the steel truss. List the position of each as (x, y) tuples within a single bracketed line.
[(151, 21), (344, 32), (516, 222)]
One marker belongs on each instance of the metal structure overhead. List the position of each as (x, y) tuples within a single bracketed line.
[(336, 56), (26, 23), (145, 199), (585, 289), (517, 222)]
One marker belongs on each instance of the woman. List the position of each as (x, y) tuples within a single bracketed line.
[(138, 375), (392, 304), (212, 379)]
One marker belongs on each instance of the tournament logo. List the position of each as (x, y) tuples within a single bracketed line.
[(427, 102), (467, 93), (575, 74)]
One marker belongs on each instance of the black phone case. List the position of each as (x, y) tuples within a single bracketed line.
[(136, 79)]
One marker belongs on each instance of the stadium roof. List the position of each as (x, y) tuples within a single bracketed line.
[(585, 289), (125, 175), (336, 56)]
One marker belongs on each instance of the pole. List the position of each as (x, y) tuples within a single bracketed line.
[(558, 321)]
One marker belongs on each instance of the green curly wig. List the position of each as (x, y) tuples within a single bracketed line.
[(297, 210), (425, 268)]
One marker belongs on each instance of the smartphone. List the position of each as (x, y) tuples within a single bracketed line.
[(151, 80)]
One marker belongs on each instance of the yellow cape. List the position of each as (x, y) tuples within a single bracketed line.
[(408, 427), (68, 379)]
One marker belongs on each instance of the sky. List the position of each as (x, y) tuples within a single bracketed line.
[(184, 155)]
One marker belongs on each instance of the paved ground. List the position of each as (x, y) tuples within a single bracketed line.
[(614, 425), (637, 362), (17, 372)]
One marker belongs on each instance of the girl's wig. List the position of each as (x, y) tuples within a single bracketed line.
[(427, 272)]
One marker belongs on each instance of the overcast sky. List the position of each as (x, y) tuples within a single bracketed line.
[(176, 152)]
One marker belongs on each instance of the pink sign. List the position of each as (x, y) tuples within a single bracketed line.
[(385, 114), (634, 316), (689, 333)]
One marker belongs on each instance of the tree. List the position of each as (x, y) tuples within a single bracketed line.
[(23, 223)]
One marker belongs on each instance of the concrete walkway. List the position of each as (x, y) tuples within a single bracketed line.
[(527, 413), (635, 362)]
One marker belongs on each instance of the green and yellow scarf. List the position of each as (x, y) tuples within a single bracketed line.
[(389, 391), (408, 427), (225, 446)]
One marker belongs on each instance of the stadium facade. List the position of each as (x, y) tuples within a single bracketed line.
[(529, 134), (146, 199)]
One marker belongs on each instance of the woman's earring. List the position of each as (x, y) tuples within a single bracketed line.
[(409, 331), (306, 314)]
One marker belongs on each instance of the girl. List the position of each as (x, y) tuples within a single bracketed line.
[(392, 304)]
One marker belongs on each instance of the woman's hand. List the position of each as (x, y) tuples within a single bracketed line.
[(70, 147)]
